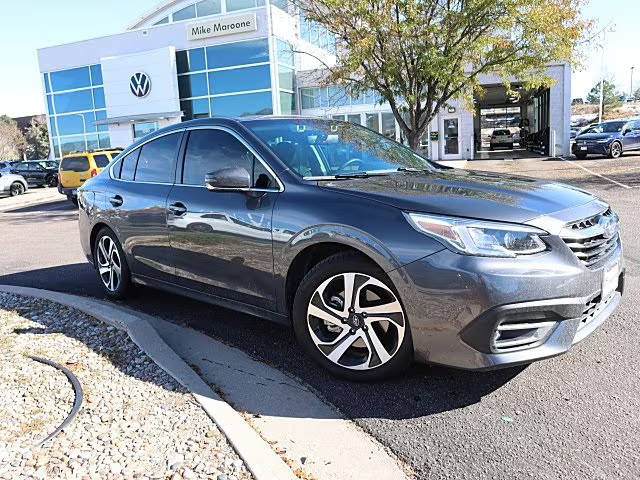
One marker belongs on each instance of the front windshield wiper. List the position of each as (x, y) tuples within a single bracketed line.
[(353, 175), (414, 170)]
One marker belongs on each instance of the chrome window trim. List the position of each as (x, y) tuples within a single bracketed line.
[(111, 175), (203, 127)]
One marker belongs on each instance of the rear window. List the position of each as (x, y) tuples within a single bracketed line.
[(501, 132), (75, 164), (101, 160)]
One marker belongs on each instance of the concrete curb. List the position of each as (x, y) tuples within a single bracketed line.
[(260, 459)]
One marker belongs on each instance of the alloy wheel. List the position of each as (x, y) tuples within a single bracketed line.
[(16, 189), (356, 321), (109, 264), (616, 150)]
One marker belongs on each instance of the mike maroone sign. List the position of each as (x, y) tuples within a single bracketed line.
[(222, 26)]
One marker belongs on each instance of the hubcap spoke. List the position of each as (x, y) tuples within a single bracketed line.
[(375, 345), (385, 309), (324, 315), (345, 340)]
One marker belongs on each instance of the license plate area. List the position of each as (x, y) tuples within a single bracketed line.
[(610, 278), (583, 148)]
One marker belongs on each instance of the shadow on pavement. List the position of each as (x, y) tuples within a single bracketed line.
[(421, 391), (60, 205)]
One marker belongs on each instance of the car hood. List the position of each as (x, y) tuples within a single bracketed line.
[(596, 136), (466, 193)]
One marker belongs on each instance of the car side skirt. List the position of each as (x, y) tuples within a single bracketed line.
[(212, 299)]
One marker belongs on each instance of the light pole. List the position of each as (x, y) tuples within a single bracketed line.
[(631, 85)]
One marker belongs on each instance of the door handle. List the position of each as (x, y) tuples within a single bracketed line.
[(177, 209), (116, 200)]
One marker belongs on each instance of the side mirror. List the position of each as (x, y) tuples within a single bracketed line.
[(236, 178), (625, 131)]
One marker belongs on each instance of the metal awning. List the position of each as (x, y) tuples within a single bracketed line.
[(146, 117)]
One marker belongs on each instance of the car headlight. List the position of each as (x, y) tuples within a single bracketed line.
[(604, 140), (477, 237)]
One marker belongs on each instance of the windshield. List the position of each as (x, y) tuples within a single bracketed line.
[(609, 127), (321, 148)]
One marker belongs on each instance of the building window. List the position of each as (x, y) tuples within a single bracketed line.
[(185, 14), (75, 101), (140, 129), (248, 78), (231, 79), (243, 104), (317, 35)]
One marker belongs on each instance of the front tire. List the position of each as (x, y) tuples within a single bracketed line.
[(615, 151), (111, 265), (366, 337), (16, 189), (580, 155), (52, 181)]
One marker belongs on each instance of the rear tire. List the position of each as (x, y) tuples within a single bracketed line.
[(346, 340), (16, 189), (111, 265), (52, 181), (615, 151)]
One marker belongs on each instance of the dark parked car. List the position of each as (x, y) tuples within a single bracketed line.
[(38, 172), (373, 254), (611, 138)]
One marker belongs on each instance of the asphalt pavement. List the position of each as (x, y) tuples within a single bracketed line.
[(574, 416)]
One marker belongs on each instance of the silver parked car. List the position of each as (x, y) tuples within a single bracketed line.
[(11, 184)]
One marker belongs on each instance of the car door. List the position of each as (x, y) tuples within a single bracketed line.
[(221, 240), (631, 140), (137, 205)]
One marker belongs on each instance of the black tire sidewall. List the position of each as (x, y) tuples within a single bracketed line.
[(125, 282), (335, 265), (581, 156), (16, 189)]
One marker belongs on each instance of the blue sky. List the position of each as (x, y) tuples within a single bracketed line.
[(31, 24)]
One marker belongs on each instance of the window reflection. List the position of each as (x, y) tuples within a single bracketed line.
[(242, 105)]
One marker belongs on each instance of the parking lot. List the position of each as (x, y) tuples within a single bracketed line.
[(574, 416)]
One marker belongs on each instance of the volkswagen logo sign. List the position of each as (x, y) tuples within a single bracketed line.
[(140, 84), (609, 226)]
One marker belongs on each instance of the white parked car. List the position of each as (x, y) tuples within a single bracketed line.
[(11, 184), (501, 138)]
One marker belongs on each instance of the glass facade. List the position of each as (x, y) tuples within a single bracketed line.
[(75, 101), (317, 35), (232, 79), (324, 97), (286, 77), (205, 8)]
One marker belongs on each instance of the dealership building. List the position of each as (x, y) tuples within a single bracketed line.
[(187, 59)]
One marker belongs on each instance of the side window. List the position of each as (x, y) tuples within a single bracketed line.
[(157, 159), (128, 165), (101, 160), (209, 150)]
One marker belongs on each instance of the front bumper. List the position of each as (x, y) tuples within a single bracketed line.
[(591, 148), (456, 303)]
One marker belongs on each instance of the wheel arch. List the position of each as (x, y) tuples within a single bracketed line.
[(94, 233), (309, 247)]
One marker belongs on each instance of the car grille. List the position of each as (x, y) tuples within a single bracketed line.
[(592, 239), (593, 309)]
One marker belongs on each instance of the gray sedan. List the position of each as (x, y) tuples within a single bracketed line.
[(374, 255)]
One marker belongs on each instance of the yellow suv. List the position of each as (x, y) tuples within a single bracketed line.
[(76, 167)]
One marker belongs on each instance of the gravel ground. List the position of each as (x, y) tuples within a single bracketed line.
[(136, 422)]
